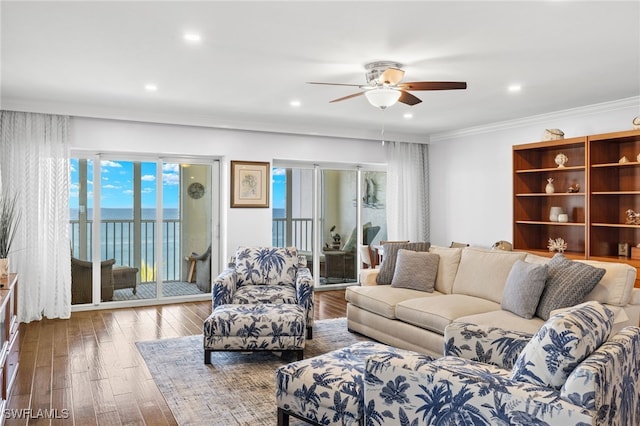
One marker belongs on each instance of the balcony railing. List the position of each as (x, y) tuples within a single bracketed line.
[(301, 233), (118, 241)]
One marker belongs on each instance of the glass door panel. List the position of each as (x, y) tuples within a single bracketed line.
[(194, 235), (292, 211), (339, 233), (80, 229)]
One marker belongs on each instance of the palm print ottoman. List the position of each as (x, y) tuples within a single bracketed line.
[(328, 389), (255, 327)]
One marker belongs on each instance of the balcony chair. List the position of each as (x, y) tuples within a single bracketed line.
[(203, 270), (266, 275), (82, 280)]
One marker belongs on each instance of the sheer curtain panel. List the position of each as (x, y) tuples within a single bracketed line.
[(34, 163), (407, 191)]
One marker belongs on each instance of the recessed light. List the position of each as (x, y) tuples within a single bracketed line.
[(150, 87), (515, 88), (192, 37), (408, 116), (295, 103)]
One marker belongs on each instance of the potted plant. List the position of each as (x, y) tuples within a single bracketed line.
[(9, 218)]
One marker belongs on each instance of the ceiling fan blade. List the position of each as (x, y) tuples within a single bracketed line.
[(408, 98), (433, 85), (347, 97), (335, 84), (392, 76)]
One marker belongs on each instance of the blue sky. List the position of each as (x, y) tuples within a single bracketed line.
[(117, 184), (279, 184)]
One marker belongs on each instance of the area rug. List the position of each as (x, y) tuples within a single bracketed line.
[(236, 388)]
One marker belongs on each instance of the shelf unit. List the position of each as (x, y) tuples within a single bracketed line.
[(533, 164), (10, 338), (608, 188)]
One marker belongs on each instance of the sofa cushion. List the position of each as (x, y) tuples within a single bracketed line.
[(616, 285), (266, 265), (523, 288), (416, 270), (447, 267), (382, 299), (389, 259), (483, 273), (568, 284), (562, 343), (435, 313)]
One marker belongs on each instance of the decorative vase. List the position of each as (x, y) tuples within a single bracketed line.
[(4, 268), (563, 218), (549, 189), (554, 213)]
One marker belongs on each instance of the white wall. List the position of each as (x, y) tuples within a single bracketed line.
[(239, 226), (470, 171)]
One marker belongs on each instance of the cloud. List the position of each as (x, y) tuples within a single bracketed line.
[(278, 172), (170, 168), (148, 178), (111, 187), (171, 179), (109, 163)]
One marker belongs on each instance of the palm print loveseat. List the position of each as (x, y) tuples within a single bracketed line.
[(266, 275), (569, 373)]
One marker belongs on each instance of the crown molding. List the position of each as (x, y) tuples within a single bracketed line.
[(218, 120), (538, 119)]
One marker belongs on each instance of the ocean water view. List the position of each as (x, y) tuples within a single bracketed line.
[(117, 240)]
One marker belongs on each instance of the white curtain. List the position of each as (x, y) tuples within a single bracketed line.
[(34, 163), (407, 191)]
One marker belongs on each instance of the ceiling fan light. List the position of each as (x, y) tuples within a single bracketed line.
[(383, 97)]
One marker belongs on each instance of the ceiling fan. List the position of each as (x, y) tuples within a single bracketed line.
[(384, 87)]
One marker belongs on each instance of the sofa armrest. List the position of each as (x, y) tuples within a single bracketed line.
[(489, 345), (452, 390), (368, 276), (608, 381), (224, 285), (304, 292)]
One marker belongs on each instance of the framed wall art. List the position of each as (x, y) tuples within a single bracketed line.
[(250, 182)]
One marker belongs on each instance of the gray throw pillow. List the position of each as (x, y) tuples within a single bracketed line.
[(416, 270), (523, 288), (568, 284), (390, 252)]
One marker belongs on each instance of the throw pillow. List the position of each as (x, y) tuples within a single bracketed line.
[(568, 284), (562, 343), (388, 266), (416, 270), (523, 288)]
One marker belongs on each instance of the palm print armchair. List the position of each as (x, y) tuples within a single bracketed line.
[(568, 373), (274, 275)]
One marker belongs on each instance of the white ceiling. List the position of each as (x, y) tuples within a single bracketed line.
[(94, 59)]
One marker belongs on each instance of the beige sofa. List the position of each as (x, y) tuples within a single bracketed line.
[(468, 288)]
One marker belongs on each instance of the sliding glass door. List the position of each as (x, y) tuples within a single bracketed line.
[(335, 202), (150, 228)]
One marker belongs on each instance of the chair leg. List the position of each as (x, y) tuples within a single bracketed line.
[(309, 333), (283, 417), (207, 356)]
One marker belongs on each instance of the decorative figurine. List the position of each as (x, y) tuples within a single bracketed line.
[(561, 159), (636, 122), (624, 159), (633, 218), (552, 134), (574, 188)]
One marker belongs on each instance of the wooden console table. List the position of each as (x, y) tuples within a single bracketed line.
[(10, 337)]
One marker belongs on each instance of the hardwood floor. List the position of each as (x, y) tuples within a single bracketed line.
[(87, 370)]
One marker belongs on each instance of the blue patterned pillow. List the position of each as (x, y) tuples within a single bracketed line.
[(266, 265), (562, 343)]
